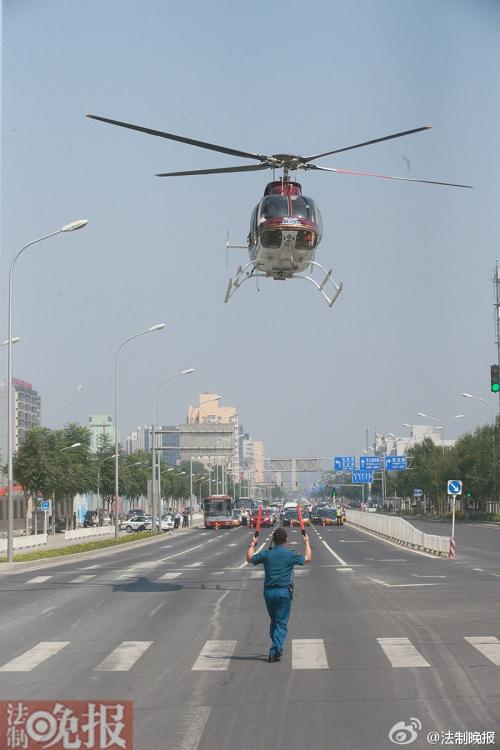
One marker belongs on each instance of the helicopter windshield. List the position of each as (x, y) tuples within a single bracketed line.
[(273, 206), (303, 208)]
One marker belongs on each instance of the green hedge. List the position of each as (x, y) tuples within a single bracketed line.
[(42, 554)]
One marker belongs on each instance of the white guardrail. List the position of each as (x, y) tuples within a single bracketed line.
[(400, 531), (85, 533), (24, 542)]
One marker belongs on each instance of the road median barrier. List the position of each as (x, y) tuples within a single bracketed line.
[(399, 531)]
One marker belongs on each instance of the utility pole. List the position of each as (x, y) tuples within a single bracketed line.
[(496, 304)]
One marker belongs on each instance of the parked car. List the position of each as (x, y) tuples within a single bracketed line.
[(136, 512), (236, 518), (167, 524), (90, 519), (135, 523)]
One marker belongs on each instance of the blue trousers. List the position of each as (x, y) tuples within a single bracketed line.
[(278, 605)]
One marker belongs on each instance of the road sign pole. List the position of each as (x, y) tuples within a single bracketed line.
[(453, 545)]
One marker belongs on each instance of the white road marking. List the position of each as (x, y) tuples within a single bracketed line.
[(402, 653), (196, 719), (82, 579), (155, 610), (215, 655), (39, 579), (487, 645), (218, 572), (309, 653), (354, 541), (91, 567), (337, 557), (416, 575), (233, 544), (124, 657), (344, 570), (194, 565), (256, 574), (169, 576), (402, 585), (35, 656), (256, 551)]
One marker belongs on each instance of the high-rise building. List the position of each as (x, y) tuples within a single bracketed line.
[(26, 413), (169, 440), (100, 424)]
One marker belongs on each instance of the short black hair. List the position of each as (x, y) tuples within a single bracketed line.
[(279, 536)]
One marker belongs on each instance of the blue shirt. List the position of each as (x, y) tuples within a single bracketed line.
[(278, 565)]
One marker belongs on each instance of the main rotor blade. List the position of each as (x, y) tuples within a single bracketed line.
[(221, 170), (385, 176), (172, 137), (368, 143)]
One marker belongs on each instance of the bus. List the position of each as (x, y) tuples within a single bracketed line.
[(218, 512)]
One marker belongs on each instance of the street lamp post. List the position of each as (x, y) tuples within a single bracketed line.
[(208, 401), (441, 422), (156, 484), (74, 225), (157, 327), (493, 440)]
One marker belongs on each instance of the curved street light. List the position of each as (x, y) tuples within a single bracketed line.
[(441, 422), (71, 227), (156, 488), (151, 329)]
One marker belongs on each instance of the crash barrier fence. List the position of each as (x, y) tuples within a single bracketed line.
[(85, 533), (24, 542), (400, 531)]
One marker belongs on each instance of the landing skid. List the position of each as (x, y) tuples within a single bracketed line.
[(243, 273)]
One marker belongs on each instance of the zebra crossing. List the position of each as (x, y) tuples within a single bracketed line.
[(304, 654)]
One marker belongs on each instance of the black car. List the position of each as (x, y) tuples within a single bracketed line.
[(90, 519)]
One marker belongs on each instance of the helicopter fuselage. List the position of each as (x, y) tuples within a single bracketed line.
[(285, 230)]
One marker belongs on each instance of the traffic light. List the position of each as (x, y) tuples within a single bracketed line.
[(334, 492), (495, 378)]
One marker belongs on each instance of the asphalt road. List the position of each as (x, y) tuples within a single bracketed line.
[(378, 635)]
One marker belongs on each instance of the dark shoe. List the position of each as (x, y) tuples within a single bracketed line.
[(277, 657)]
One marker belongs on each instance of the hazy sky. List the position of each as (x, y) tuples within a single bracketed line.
[(414, 325)]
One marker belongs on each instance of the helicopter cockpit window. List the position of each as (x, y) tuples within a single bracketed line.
[(303, 208), (273, 206)]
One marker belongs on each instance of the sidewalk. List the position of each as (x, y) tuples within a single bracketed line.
[(55, 541)]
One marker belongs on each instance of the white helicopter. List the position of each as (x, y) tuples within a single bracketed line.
[(286, 226)]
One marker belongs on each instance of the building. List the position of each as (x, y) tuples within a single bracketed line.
[(209, 411), (26, 413), (99, 425), (398, 446), (169, 439)]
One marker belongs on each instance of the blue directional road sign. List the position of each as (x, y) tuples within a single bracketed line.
[(454, 486), (44, 505), (344, 463), (418, 493), (373, 463), (362, 477), (395, 463)]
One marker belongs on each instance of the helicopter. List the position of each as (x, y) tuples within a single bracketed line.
[(286, 227)]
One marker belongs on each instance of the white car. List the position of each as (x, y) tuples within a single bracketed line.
[(167, 524), (136, 523)]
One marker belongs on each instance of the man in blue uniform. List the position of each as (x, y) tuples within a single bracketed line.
[(278, 562)]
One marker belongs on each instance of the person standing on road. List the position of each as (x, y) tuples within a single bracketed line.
[(278, 562)]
